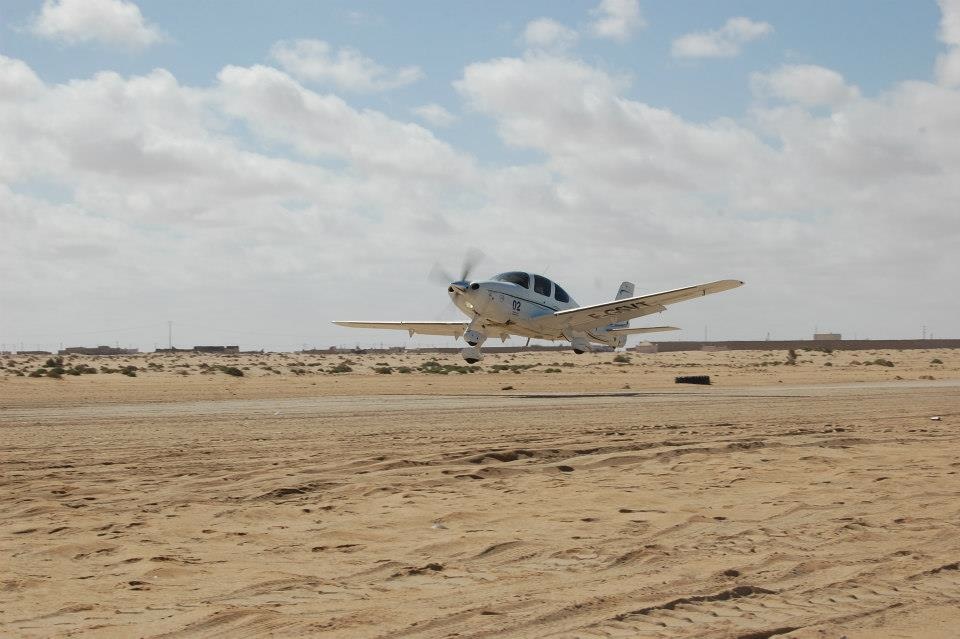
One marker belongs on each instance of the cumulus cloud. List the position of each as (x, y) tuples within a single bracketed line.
[(617, 19), (112, 22), (434, 114), (724, 42), (797, 192), (249, 194), (345, 68), (948, 64), (548, 34), (805, 84)]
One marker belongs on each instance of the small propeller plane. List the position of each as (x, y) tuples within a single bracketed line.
[(532, 306)]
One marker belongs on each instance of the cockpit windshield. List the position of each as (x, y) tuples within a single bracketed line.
[(521, 279)]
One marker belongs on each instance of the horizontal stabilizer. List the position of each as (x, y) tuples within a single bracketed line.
[(645, 329)]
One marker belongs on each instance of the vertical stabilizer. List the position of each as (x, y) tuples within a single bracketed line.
[(626, 290)]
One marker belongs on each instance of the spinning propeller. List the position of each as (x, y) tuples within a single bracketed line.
[(441, 276)]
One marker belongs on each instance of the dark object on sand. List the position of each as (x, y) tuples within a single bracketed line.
[(693, 379)]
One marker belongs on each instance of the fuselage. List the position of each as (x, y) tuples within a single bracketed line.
[(512, 303)]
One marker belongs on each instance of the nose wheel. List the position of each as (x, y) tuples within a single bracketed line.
[(472, 355)]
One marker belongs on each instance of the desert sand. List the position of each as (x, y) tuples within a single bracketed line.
[(596, 500)]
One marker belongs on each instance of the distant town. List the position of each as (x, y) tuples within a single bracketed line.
[(820, 341)]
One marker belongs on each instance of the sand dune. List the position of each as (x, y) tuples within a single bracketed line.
[(374, 505)]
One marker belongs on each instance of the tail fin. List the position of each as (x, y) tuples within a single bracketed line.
[(626, 290)]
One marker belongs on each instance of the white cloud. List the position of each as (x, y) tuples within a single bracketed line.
[(724, 42), (547, 34), (833, 194), (617, 19), (434, 114), (144, 197), (114, 22), (950, 22), (805, 84), (948, 64), (346, 68)]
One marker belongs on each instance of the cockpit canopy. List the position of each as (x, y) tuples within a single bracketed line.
[(541, 284)]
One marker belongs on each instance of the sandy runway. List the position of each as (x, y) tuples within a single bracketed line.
[(790, 510)]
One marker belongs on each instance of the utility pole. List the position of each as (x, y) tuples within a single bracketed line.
[(924, 331), (170, 334)]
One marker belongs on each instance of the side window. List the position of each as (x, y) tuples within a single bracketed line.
[(541, 285), (559, 294)]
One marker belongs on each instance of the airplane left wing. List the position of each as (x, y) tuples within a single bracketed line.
[(639, 330), (454, 329), (587, 317)]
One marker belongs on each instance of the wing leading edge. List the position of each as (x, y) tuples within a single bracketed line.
[(453, 329), (587, 317)]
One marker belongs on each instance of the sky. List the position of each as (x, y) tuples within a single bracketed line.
[(250, 171)]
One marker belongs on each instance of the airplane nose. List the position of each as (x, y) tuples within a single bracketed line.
[(457, 287)]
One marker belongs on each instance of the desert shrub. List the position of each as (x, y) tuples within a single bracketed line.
[(53, 362), (81, 369), (516, 368), (552, 370), (230, 370), (828, 363), (56, 372), (129, 370), (568, 364), (183, 372), (936, 360), (791, 358), (881, 362), (37, 373), (383, 370), (342, 367), (434, 367), (404, 369), (622, 358)]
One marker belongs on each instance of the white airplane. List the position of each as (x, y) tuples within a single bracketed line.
[(532, 306)]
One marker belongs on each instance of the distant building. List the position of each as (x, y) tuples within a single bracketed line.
[(216, 349), (97, 350), (714, 348), (645, 347), (826, 337), (34, 353)]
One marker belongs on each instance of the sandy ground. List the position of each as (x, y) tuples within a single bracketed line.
[(604, 500)]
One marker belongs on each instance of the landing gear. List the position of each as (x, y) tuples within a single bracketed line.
[(580, 345), (474, 337), (472, 355)]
